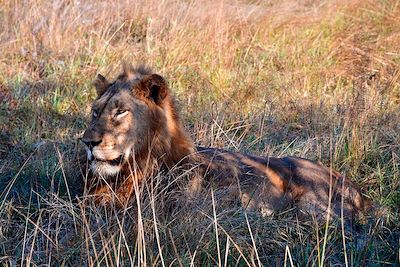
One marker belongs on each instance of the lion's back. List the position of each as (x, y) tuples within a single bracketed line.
[(324, 189)]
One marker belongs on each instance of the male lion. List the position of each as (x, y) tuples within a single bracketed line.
[(135, 132)]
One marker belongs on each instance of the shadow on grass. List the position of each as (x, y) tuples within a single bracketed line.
[(38, 143)]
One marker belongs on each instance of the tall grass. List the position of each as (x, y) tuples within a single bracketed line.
[(317, 79)]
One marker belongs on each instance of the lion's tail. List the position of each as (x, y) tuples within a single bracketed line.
[(374, 210)]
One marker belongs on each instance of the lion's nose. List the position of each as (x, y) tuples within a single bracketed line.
[(91, 143)]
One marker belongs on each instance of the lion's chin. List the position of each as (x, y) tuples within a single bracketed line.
[(104, 169)]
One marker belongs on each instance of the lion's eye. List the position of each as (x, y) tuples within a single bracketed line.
[(120, 113)]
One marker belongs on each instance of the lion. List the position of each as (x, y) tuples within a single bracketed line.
[(135, 132)]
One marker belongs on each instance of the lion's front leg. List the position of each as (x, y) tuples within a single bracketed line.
[(124, 192), (118, 194), (102, 195)]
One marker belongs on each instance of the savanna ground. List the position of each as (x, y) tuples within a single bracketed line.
[(316, 79)]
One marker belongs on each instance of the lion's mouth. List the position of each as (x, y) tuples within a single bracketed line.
[(113, 162)]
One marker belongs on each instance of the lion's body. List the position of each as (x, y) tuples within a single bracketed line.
[(135, 133), (271, 184)]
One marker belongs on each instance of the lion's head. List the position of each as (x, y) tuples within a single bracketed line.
[(131, 117)]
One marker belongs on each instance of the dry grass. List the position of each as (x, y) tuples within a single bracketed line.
[(318, 79)]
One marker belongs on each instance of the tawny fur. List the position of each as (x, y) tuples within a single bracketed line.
[(135, 118)]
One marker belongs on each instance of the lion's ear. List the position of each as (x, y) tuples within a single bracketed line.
[(101, 84), (153, 87)]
